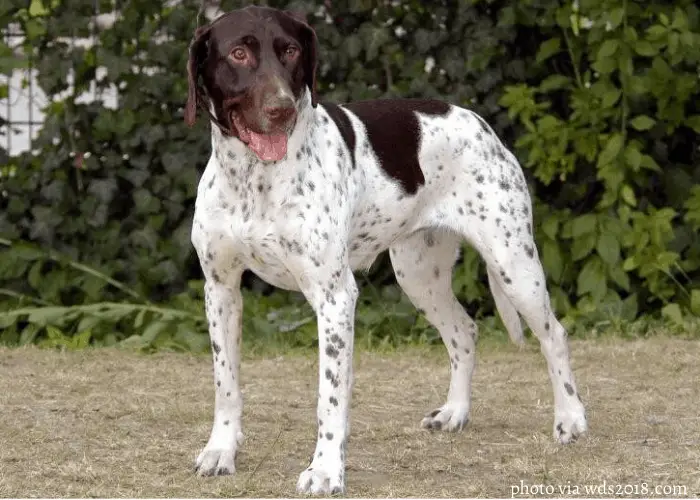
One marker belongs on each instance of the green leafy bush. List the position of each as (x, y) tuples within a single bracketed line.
[(599, 99), (609, 129)]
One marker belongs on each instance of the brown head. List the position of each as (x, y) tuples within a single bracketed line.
[(251, 66)]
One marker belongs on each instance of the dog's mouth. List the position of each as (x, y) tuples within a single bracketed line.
[(266, 146)]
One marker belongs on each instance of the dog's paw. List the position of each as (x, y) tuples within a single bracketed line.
[(320, 480), (569, 426), (449, 417), (218, 460), (215, 463)]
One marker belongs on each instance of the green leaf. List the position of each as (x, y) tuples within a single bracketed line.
[(138, 321), (688, 39), (29, 334), (134, 342), (610, 97), (34, 277), (630, 308), (642, 122), (630, 263), (607, 49), (88, 322), (43, 316), (680, 19), (583, 246), (608, 248), (573, 21), (583, 224), (56, 335), (554, 82), (125, 123), (656, 32), (695, 302), (615, 17), (9, 61), (7, 320), (152, 331), (605, 65), (627, 194), (626, 63), (633, 157), (630, 35), (694, 123), (611, 150), (552, 261), (353, 46), (620, 277), (591, 279), (645, 48), (82, 340), (37, 9), (650, 164), (548, 49), (35, 29), (550, 227), (672, 312)]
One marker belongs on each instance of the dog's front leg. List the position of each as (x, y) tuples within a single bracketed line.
[(224, 307), (334, 302)]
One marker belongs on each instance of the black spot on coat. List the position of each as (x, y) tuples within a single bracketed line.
[(216, 347)]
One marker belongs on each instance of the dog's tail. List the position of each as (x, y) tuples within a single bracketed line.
[(506, 309)]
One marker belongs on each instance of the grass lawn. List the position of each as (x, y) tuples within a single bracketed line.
[(113, 423)]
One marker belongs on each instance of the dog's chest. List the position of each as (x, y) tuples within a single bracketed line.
[(266, 217)]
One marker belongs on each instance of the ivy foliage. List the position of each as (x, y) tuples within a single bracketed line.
[(609, 129), (600, 99)]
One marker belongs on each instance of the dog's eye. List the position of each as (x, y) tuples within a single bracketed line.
[(291, 52), (239, 54)]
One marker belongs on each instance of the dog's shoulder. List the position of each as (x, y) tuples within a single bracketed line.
[(392, 131)]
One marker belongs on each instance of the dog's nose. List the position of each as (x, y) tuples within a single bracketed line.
[(279, 113)]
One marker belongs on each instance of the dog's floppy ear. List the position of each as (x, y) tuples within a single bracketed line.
[(197, 53), (310, 51)]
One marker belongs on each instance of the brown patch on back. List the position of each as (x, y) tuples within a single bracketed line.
[(394, 134)]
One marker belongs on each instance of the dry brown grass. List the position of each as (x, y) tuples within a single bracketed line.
[(118, 424)]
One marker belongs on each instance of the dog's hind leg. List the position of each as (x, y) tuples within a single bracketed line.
[(515, 271), (423, 264)]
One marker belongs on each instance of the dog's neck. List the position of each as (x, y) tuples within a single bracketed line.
[(232, 153), (303, 126)]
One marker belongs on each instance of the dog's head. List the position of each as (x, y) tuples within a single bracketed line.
[(253, 65)]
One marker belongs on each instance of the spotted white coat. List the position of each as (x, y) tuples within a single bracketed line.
[(307, 221)]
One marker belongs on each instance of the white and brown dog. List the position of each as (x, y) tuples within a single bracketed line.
[(302, 193)]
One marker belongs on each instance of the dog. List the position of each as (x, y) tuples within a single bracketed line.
[(302, 193)]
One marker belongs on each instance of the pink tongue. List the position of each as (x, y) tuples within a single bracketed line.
[(268, 147)]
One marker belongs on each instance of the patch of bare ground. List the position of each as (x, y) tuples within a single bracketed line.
[(111, 423)]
